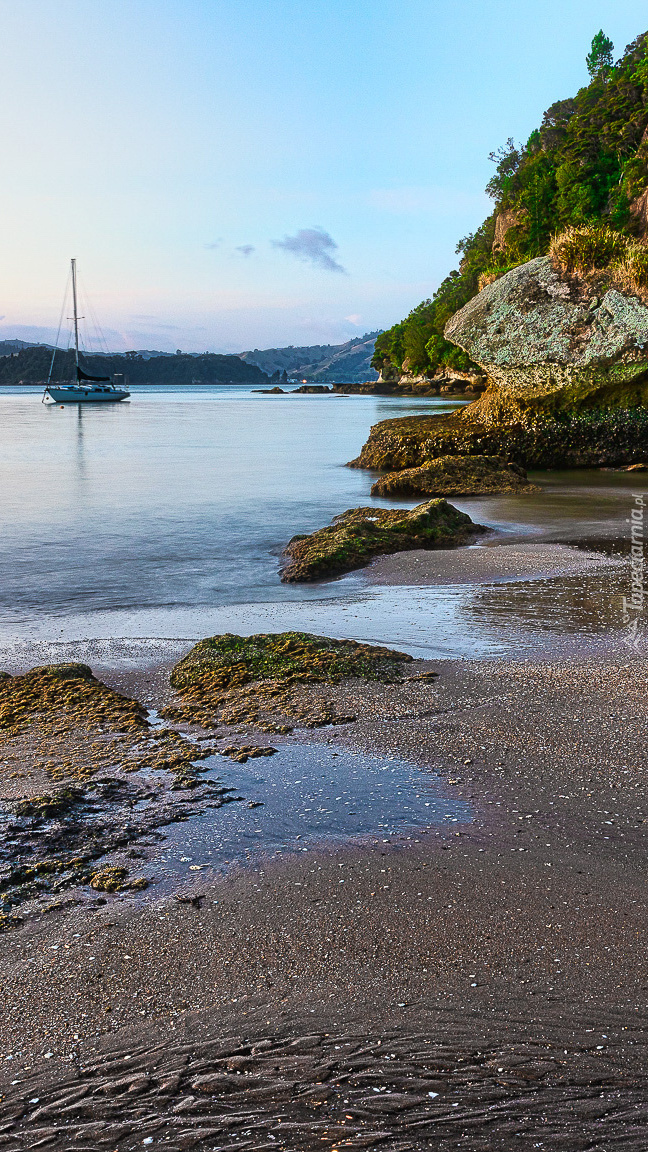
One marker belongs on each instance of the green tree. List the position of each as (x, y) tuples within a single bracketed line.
[(600, 57)]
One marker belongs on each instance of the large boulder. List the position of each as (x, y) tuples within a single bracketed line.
[(548, 344), (567, 368)]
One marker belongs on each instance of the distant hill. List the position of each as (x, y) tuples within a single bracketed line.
[(349, 362), (8, 347), (321, 363), (31, 366)]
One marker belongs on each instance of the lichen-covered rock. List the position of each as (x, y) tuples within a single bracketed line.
[(550, 344), (357, 535), (567, 368), (456, 476)]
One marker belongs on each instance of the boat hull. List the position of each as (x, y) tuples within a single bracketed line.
[(69, 394)]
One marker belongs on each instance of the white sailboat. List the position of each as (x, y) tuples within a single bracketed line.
[(86, 388)]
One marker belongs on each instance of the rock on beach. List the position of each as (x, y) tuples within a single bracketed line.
[(354, 537), (567, 368), (552, 343)]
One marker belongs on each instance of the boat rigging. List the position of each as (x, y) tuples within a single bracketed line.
[(86, 388)]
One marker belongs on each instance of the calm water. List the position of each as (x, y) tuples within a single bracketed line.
[(304, 795), (180, 497), (166, 517)]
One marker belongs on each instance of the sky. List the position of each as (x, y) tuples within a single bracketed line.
[(238, 174)]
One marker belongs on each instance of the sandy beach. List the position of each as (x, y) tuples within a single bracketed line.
[(501, 962), (476, 978)]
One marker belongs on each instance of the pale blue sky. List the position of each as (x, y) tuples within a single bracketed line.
[(156, 139)]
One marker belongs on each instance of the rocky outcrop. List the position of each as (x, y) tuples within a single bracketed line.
[(504, 221), (456, 476), (548, 344), (305, 389), (581, 440), (406, 385), (567, 368), (353, 538)]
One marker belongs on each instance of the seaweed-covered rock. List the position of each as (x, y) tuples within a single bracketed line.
[(224, 662), (549, 343), (456, 476), (71, 689), (355, 536), (589, 439)]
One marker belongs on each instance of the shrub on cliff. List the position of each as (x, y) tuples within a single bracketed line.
[(598, 252), (588, 249), (632, 272)]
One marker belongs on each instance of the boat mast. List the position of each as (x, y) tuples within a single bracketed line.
[(75, 310)]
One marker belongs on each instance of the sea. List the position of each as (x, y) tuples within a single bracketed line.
[(130, 530), (164, 518)]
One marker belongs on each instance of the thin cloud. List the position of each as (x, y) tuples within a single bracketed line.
[(312, 245), (214, 244), (246, 249)]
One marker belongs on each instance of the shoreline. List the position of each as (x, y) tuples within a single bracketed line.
[(510, 949), (389, 601)]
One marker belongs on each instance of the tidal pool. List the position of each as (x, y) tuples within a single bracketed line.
[(304, 796)]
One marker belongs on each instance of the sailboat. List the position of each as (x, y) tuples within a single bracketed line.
[(86, 388)]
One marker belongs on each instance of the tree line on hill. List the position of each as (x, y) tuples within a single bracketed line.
[(32, 365)]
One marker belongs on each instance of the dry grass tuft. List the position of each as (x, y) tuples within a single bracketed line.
[(588, 249), (631, 275), (598, 255)]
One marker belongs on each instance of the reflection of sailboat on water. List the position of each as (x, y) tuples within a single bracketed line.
[(86, 388)]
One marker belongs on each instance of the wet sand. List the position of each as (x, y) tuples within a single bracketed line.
[(318, 1000), (485, 562)]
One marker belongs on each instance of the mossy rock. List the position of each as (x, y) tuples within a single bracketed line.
[(362, 533), (595, 438), (225, 662), (108, 879), (456, 476), (72, 689)]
